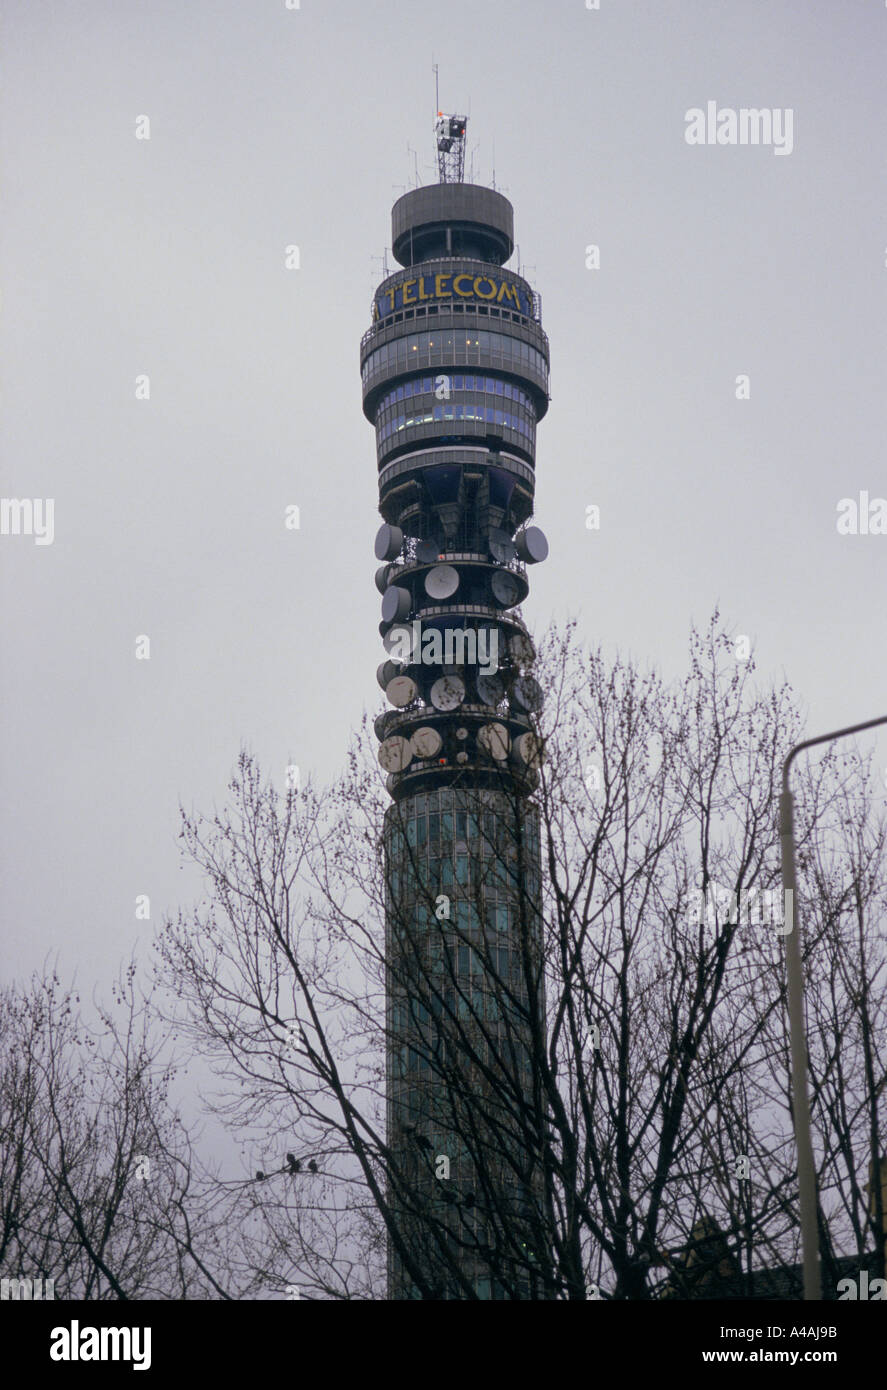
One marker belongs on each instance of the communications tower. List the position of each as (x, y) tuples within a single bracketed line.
[(455, 370)]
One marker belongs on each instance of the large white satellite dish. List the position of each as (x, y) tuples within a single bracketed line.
[(426, 742), (448, 692), (490, 689), (402, 690), (526, 693), (396, 604), (529, 749), (506, 588), (389, 542), (395, 754), (493, 739), (532, 545), (400, 639), (521, 648), (442, 581)]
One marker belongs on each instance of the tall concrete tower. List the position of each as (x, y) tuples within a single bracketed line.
[(455, 379)]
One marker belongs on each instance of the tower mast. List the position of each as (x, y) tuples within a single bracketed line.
[(455, 380)]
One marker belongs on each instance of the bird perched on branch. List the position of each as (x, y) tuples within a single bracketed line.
[(294, 1164)]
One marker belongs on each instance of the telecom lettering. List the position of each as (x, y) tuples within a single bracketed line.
[(426, 287)]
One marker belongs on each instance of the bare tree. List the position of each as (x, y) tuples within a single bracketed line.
[(100, 1190), (602, 1098)]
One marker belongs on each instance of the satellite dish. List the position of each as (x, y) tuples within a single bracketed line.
[(396, 604), (428, 552), (489, 636), (502, 547), (389, 542), (395, 754), (532, 545), (400, 639), (506, 588), (380, 723), (494, 740), (448, 692), (527, 694), (401, 691), (490, 689), (387, 672), (442, 581), (529, 749), (426, 742), (382, 574), (521, 648)]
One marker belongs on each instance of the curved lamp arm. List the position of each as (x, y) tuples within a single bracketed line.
[(797, 1037)]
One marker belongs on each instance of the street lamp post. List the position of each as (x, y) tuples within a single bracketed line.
[(797, 1037)]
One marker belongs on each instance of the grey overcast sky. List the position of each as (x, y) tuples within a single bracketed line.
[(272, 126)]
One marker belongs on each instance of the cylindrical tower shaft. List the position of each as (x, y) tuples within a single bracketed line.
[(455, 380)]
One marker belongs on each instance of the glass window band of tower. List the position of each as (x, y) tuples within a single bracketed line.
[(459, 381), (478, 315), (395, 428), (458, 978), (451, 345), (451, 822)]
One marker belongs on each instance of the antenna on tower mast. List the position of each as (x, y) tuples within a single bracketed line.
[(450, 137), (471, 163), (450, 133)]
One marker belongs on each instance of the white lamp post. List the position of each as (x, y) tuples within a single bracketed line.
[(797, 1037)]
